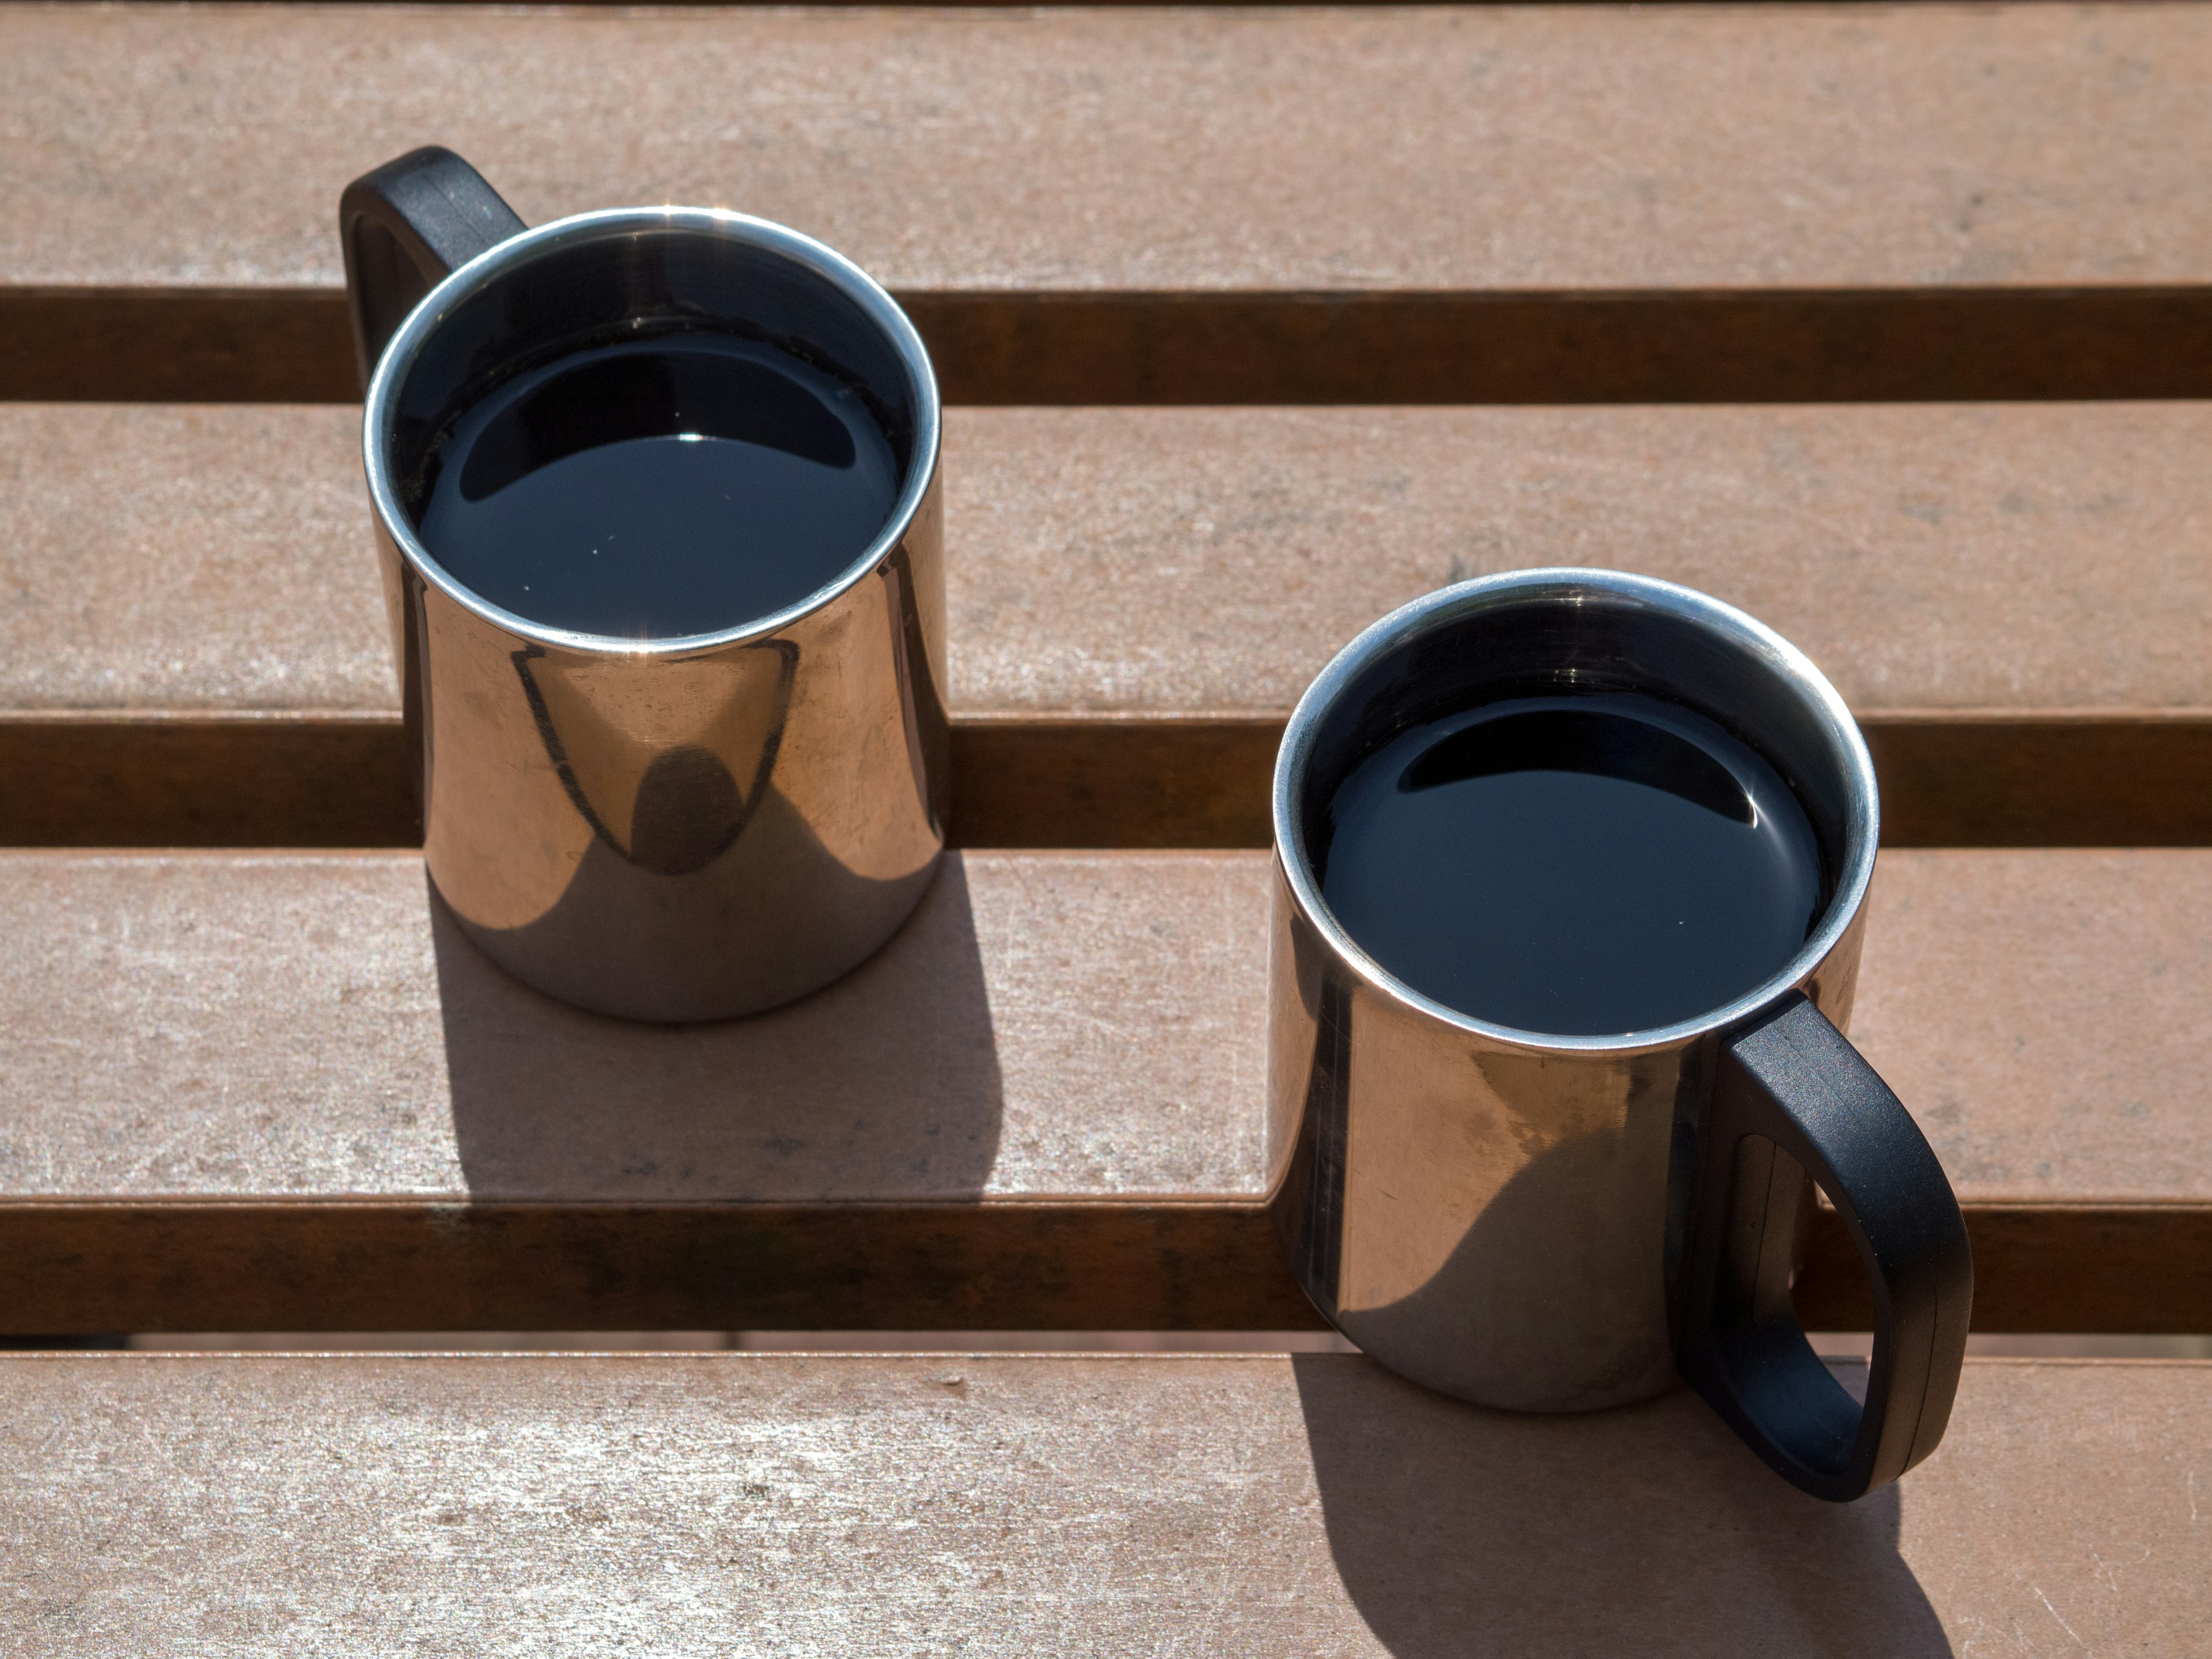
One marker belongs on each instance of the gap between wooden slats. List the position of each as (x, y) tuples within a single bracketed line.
[(1352, 347), (992, 1265), (276, 780)]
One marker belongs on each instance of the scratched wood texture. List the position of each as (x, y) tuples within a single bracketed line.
[(277, 1091), (1424, 204), (222, 1506), (192, 646)]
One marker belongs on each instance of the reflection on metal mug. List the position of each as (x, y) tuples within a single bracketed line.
[(662, 822), (1560, 1222)]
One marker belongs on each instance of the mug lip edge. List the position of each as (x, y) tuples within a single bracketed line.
[(1445, 604), (595, 224)]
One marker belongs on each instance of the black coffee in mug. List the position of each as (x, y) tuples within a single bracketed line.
[(659, 488), (1577, 865)]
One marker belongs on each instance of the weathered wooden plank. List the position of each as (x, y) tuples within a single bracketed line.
[(2018, 560), (192, 646), (214, 1505), (277, 1092), (1306, 204), (1596, 150)]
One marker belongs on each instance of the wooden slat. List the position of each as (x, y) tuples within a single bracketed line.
[(1436, 204), (192, 645), (274, 1092), (998, 1505)]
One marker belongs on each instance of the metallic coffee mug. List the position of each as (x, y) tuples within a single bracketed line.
[(679, 828), (1551, 1223)]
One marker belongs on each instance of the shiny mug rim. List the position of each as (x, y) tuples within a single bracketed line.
[(1792, 671), (606, 224)]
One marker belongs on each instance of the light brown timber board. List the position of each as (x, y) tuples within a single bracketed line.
[(273, 1092), (193, 651), (1482, 149), (2037, 559), (1308, 204), (217, 1505)]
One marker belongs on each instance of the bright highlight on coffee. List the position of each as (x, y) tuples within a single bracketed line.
[(1582, 866), (659, 488)]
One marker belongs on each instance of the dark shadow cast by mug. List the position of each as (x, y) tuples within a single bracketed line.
[(1645, 1529), (885, 1086)]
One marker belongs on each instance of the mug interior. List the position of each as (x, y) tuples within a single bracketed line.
[(626, 279), (1570, 633)]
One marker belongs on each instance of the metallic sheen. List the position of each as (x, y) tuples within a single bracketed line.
[(672, 829), (1490, 1211)]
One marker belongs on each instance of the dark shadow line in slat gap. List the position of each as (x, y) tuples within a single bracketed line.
[(290, 345), (1045, 1265), (185, 780), (1026, 5)]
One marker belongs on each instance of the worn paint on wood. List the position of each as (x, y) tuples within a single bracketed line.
[(223, 1505), (2039, 560), (1427, 149), (274, 1090), (1137, 596)]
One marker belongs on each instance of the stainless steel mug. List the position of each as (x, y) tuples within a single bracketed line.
[(1551, 1223), (681, 829)]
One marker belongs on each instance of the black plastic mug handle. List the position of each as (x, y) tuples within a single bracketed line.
[(1793, 1083), (403, 227)]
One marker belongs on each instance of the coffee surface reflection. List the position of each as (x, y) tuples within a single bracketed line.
[(1580, 867), (659, 488)]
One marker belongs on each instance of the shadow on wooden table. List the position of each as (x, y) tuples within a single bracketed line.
[(1648, 1529), (883, 1085)]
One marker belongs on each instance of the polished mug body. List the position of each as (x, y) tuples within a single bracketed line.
[(668, 828), (1489, 1211)]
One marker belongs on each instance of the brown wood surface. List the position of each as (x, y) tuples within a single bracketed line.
[(1312, 1504), (1305, 204), (192, 645), (1476, 148), (275, 1091)]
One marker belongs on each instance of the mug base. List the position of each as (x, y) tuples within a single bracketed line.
[(676, 966), (1561, 1385)]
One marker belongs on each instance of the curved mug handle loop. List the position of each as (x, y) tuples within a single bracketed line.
[(405, 227), (1791, 1097)]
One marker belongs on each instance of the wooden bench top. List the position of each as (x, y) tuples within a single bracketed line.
[(1309, 1504), (1539, 203), (1039, 1107), (2006, 560), (193, 649), (266, 1088), (1422, 148)]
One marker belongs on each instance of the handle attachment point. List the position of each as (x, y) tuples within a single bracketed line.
[(405, 226)]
